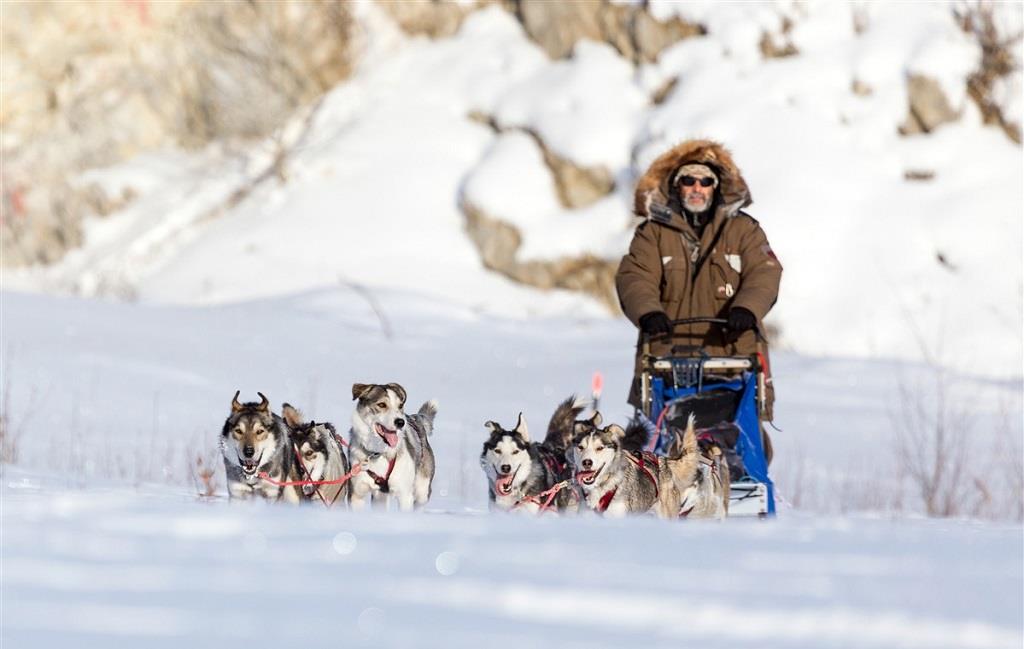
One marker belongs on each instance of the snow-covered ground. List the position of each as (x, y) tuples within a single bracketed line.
[(110, 567)]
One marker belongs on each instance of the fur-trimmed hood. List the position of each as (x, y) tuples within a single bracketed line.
[(653, 186)]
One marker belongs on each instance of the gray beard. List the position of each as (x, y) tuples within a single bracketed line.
[(697, 218), (701, 212)]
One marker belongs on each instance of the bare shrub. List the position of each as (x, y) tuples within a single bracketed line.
[(11, 430), (1009, 470), (997, 62), (203, 473), (931, 432)]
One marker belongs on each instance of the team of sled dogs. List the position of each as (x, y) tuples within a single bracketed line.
[(580, 465)]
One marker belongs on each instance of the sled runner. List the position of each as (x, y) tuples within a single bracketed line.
[(727, 395)]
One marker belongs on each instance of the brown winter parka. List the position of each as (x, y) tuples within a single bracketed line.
[(657, 274)]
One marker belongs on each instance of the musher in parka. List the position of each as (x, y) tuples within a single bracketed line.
[(698, 255)]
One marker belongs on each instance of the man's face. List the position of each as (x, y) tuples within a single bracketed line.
[(696, 197)]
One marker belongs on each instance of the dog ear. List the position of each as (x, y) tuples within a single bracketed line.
[(615, 431), (685, 442), (291, 416), (521, 428), (359, 389), (264, 403), (235, 405), (398, 390), (675, 447), (690, 436), (492, 426), (596, 419)]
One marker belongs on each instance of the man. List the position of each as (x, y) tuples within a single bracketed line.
[(698, 255)]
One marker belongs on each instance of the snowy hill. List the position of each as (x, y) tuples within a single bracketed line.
[(876, 265)]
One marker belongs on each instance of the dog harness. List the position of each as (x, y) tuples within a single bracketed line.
[(382, 481), (606, 500), (641, 463)]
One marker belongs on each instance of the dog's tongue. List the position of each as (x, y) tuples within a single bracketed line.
[(584, 475), (504, 482), (390, 436)]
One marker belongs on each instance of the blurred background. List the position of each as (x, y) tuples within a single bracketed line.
[(476, 159)]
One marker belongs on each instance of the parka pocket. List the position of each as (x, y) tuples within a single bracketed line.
[(725, 280)]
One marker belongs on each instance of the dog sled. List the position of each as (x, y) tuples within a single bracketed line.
[(727, 395)]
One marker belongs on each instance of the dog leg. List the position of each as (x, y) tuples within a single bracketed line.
[(239, 491), (406, 502), (360, 498), (421, 490)]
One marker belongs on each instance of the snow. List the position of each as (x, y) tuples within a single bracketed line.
[(585, 108), (87, 568), (511, 183)]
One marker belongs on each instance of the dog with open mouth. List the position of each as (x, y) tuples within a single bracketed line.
[(392, 447), (614, 476), (254, 441), (319, 456), (519, 471)]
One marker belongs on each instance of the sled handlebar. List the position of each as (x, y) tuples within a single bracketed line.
[(689, 321)]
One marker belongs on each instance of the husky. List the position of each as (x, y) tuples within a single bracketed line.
[(319, 456), (519, 471), (254, 441), (614, 476), (391, 447), (696, 482)]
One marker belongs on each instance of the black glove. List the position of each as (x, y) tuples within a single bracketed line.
[(655, 322), (741, 319)]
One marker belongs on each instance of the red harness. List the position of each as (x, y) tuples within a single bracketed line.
[(641, 463), (547, 496), (606, 500), (263, 475), (382, 481)]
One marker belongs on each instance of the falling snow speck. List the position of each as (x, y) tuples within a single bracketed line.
[(447, 563), (344, 543)]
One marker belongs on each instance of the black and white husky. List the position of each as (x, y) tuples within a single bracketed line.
[(614, 476), (392, 448), (519, 471), (319, 456), (255, 441)]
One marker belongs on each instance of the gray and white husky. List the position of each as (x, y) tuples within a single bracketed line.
[(614, 476), (254, 440), (320, 457), (696, 480), (391, 446), (519, 470)]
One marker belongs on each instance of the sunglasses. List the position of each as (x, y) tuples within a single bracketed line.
[(690, 181)]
